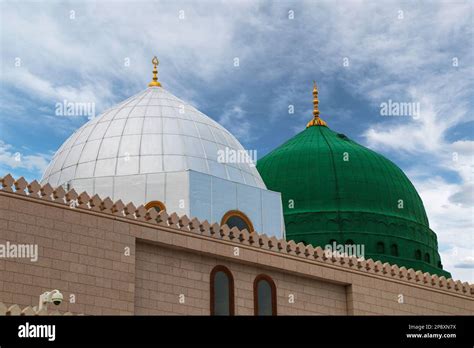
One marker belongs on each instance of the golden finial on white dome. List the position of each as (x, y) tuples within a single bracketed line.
[(155, 82)]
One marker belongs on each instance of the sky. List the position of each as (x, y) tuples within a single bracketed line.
[(361, 53)]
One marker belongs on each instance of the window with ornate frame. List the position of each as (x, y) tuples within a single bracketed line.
[(264, 295), (222, 291), (157, 205), (235, 218)]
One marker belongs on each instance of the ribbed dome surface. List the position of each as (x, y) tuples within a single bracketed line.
[(151, 132), (325, 171), (335, 189)]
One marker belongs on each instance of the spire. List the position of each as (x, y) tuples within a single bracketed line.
[(155, 82), (316, 121)]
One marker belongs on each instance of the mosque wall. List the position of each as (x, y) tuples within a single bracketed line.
[(112, 258), (79, 253), (165, 276), (372, 296)]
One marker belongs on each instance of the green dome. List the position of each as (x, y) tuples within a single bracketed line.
[(334, 189)]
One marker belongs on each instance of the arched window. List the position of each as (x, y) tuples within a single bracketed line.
[(235, 218), (427, 257), (394, 250), (418, 254), (264, 296), (380, 248), (222, 291), (157, 205)]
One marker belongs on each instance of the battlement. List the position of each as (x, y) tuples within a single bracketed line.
[(118, 209)]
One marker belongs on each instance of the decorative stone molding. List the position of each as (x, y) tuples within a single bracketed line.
[(8, 185), (378, 266)]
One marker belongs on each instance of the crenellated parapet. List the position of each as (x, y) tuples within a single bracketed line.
[(34, 191)]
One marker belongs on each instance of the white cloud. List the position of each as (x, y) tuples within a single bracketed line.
[(11, 160), (449, 205), (467, 262), (453, 223), (234, 118), (83, 59)]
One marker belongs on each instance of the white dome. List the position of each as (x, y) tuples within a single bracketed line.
[(151, 132)]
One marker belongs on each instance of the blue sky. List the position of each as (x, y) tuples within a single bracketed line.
[(402, 51)]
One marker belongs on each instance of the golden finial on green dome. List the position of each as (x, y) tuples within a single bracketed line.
[(316, 121), (155, 82)]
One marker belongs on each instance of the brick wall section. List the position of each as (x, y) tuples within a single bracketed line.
[(164, 274), (374, 296), (81, 252)]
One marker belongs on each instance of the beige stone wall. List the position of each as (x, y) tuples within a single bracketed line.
[(79, 254), (374, 296), (82, 252), (164, 274)]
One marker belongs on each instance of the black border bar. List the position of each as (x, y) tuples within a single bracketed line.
[(291, 330)]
